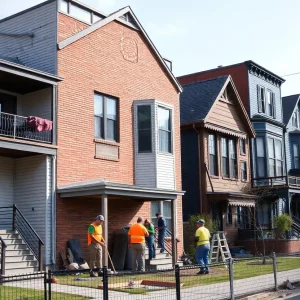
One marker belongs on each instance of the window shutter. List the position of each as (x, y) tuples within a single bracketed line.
[(258, 99)]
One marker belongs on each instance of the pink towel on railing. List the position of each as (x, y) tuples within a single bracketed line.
[(39, 124)]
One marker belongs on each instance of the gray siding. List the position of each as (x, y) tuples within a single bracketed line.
[(32, 192), (253, 82), (37, 104), (165, 171), (38, 52)]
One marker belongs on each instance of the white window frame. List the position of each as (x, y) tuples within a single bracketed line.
[(261, 100), (170, 132)]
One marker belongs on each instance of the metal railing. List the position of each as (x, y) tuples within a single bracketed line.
[(270, 181), (168, 240), (296, 227), (255, 234), (29, 235), (3, 254), (18, 127)]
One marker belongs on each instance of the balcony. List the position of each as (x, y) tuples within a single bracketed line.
[(25, 128), (277, 181)]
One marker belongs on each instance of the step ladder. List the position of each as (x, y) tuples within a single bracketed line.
[(219, 246)]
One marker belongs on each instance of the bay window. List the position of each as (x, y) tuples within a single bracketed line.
[(275, 157), (213, 167), (165, 130), (295, 156), (260, 157)]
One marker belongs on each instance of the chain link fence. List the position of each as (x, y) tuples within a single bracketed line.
[(231, 280)]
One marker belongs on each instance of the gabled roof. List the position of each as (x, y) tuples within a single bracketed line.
[(116, 17), (288, 106), (198, 99)]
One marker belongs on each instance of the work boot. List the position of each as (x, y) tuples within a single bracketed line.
[(92, 274), (200, 272)]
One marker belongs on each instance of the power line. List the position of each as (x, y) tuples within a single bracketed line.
[(291, 74)]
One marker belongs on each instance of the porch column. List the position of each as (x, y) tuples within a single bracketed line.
[(105, 225), (174, 233)]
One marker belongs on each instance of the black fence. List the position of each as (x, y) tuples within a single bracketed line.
[(231, 280)]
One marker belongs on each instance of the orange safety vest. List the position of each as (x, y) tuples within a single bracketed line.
[(97, 234), (137, 233)]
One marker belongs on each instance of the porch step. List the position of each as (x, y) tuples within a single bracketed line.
[(19, 259)]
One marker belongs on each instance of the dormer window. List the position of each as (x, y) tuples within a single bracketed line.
[(261, 95)]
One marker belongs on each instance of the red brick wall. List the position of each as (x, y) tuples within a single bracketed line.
[(278, 246), (96, 63), (237, 72)]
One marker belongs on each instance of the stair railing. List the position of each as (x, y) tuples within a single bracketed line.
[(168, 240), (296, 227), (3, 253), (29, 235)]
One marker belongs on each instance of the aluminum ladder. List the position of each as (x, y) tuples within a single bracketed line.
[(219, 246)]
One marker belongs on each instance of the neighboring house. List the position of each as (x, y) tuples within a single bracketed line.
[(118, 129), (291, 117), (215, 133), (260, 92)]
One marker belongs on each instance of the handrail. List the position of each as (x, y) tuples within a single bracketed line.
[(3, 253), (27, 232), (169, 234), (28, 224), (295, 218)]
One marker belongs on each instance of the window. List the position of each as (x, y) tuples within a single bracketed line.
[(144, 128), (275, 157), (242, 216), (213, 168), (295, 118), (244, 171), (271, 103), (296, 156), (164, 207), (228, 158), (261, 99), (260, 155), (80, 13), (164, 126), (242, 146), (105, 117), (225, 162), (229, 215)]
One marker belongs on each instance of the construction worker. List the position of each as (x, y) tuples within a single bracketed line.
[(162, 226), (96, 242), (136, 241), (202, 237)]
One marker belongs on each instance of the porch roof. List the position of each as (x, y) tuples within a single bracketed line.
[(20, 79), (233, 199), (103, 187)]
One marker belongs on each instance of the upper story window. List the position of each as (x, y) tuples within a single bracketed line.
[(244, 171), (144, 128), (295, 118), (296, 156), (212, 146), (260, 157), (275, 157), (165, 130), (79, 12), (261, 99), (228, 158), (271, 103), (105, 117), (242, 146)]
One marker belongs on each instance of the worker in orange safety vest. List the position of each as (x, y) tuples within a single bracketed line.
[(95, 243)]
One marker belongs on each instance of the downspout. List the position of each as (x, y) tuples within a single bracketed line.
[(53, 212), (200, 169)]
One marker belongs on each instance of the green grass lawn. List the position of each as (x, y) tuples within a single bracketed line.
[(188, 278), (13, 293)]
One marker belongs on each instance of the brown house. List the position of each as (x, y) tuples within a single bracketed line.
[(215, 132)]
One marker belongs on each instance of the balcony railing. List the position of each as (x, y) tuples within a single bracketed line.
[(18, 127), (276, 181)]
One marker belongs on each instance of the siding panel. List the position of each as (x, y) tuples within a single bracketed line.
[(39, 51), (165, 171)]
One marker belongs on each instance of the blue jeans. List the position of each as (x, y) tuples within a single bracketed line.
[(202, 256), (161, 239), (151, 246)]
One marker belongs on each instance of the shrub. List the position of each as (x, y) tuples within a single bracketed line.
[(209, 223), (282, 224)]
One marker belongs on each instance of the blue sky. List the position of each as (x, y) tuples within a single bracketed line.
[(200, 34)]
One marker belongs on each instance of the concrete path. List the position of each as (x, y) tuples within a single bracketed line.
[(208, 292)]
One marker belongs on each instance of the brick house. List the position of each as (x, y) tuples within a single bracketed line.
[(215, 139), (118, 129)]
